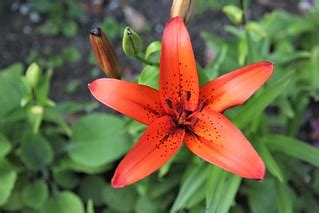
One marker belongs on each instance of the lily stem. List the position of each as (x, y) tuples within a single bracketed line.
[(145, 61)]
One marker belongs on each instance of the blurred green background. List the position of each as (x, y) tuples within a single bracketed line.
[(59, 147)]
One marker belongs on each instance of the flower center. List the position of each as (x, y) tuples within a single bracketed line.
[(186, 118)]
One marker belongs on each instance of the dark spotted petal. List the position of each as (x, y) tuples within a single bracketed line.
[(216, 140), (158, 144), (178, 75)]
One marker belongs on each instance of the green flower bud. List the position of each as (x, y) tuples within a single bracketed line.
[(132, 43), (33, 75)]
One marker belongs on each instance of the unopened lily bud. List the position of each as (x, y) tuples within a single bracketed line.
[(33, 74), (105, 53), (183, 9), (132, 43)]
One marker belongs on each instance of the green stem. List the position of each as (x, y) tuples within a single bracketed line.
[(145, 61), (250, 57)]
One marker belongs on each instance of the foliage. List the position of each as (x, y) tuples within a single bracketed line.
[(51, 163)]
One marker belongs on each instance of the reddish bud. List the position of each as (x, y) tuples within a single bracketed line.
[(105, 53)]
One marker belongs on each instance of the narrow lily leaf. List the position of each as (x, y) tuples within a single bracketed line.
[(260, 102), (191, 184), (214, 176), (284, 199), (230, 191), (270, 162), (294, 148), (90, 206), (286, 108), (223, 187)]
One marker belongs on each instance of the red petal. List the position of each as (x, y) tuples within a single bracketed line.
[(158, 144), (236, 87), (136, 101), (178, 74), (218, 141)]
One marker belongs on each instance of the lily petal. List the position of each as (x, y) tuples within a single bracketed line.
[(178, 74), (136, 101), (158, 144), (216, 140), (234, 88)]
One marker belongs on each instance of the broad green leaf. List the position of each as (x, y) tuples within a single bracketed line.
[(270, 162), (153, 47), (149, 76), (258, 103), (193, 181), (11, 89), (5, 146), (64, 202), (145, 204), (293, 147), (122, 200), (52, 115), (35, 194), (93, 188), (98, 139), (261, 196), (68, 164), (8, 178), (284, 200), (65, 178), (36, 152)]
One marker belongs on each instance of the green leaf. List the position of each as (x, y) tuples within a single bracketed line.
[(90, 206), (194, 180), (145, 204), (42, 90), (258, 103), (36, 151), (234, 13), (35, 194), (270, 162), (70, 28), (64, 202), (11, 90), (69, 164), (65, 178), (122, 200), (149, 76), (5, 146), (93, 188), (153, 47), (261, 196), (221, 190), (293, 147), (284, 200), (8, 178), (98, 139)]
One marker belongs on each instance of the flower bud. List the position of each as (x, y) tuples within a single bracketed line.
[(132, 43), (183, 9), (105, 53), (33, 74)]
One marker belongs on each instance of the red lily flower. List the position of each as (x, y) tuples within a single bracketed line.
[(181, 111)]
